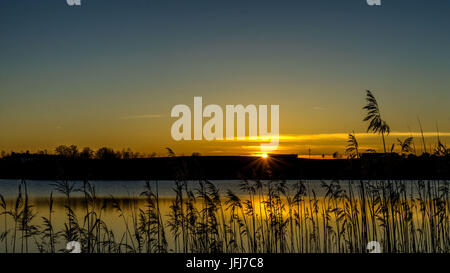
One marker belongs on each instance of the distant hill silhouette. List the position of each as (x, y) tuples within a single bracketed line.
[(35, 166)]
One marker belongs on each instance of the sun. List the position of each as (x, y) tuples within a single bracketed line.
[(264, 155)]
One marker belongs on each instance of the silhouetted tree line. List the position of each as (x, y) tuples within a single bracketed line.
[(73, 152), (102, 153)]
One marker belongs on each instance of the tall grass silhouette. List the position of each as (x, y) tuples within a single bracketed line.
[(376, 123), (269, 217)]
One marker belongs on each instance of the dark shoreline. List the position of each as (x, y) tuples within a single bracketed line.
[(224, 167)]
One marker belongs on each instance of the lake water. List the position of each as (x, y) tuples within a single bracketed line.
[(314, 204), (119, 189)]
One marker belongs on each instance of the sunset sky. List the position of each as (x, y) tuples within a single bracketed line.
[(108, 73)]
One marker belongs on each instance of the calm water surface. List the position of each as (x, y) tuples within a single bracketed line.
[(128, 194)]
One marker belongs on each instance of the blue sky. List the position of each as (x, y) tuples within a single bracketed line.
[(79, 74)]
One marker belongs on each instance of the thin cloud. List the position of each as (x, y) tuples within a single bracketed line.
[(334, 136), (148, 116)]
